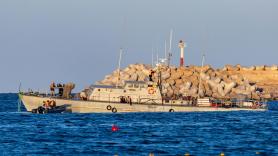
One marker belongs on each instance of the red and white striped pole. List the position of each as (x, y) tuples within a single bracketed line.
[(181, 46)]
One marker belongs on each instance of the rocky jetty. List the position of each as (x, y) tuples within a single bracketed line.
[(229, 82)]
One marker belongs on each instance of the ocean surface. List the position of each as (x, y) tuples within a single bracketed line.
[(233, 133)]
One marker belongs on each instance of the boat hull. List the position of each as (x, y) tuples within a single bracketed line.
[(78, 106)]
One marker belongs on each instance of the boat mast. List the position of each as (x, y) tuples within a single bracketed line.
[(159, 82), (121, 51), (170, 48), (200, 79), (19, 99), (119, 67), (157, 60), (165, 52), (152, 58)]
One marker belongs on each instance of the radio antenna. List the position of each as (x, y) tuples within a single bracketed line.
[(200, 79), (170, 48), (119, 67)]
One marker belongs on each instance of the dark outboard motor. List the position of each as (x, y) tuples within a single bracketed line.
[(41, 110), (34, 111)]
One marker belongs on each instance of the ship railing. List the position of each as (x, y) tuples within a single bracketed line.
[(48, 95), (148, 101), (179, 102), (235, 103)]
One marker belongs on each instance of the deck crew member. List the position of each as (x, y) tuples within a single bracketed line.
[(52, 88), (151, 75), (46, 104), (83, 96), (61, 89), (129, 100), (52, 104)]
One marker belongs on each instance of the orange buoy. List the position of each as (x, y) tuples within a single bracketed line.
[(151, 90)]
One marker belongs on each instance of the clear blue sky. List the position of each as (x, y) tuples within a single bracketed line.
[(79, 40)]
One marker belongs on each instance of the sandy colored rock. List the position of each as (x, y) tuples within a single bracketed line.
[(204, 76), (266, 96), (252, 68), (178, 82), (165, 75), (231, 81), (229, 68), (171, 82), (187, 73), (176, 75), (271, 68), (228, 87)]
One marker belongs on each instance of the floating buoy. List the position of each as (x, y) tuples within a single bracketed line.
[(222, 154), (186, 154), (114, 128)]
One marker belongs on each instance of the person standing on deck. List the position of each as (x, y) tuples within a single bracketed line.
[(151, 75), (52, 88)]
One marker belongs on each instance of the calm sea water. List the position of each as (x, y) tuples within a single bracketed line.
[(234, 133)]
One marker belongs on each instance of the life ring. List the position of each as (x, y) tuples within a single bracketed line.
[(151, 90), (108, 107), (171, 110), (114, 110)]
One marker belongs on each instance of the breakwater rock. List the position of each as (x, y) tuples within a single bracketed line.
[(228, 82)]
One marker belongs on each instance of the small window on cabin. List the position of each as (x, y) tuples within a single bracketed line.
[(136, 85), (130, 85), (150, 85), (99, 90)]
